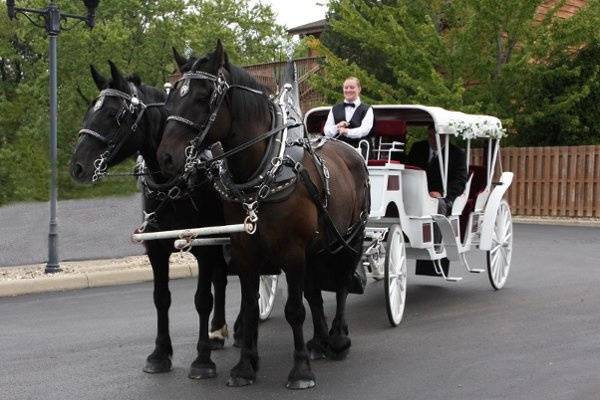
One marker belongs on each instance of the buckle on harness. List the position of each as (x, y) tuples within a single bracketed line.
[(263, 192), (174, 192), (251, 219)]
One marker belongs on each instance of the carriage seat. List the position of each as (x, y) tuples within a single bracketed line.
[(415, 194), (478, 181), (387, 138), (460, 201)]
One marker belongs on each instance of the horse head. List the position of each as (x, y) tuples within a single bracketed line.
[(205, 109), (110, 131)]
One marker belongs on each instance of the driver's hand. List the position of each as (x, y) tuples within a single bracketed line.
[(437, 195)]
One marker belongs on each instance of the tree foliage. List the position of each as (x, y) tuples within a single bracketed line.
[(481, 56), (137, 35)]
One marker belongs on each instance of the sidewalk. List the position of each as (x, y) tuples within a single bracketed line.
[(29, 279)]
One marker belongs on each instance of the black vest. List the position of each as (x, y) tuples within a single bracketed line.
[(339, 115)]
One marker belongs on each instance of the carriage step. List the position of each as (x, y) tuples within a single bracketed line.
[(440, 271), (476, 270)]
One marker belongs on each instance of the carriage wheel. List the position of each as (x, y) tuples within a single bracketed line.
[(498, 258), (395, 272), (266, 290)]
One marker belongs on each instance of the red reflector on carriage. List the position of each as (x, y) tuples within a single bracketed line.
[(393, 182), (426, 232)]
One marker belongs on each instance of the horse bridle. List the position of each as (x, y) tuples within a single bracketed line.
[(220, 89), (130, 103)]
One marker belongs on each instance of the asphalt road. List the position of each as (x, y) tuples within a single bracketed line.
[(538, 338), (87, 229)]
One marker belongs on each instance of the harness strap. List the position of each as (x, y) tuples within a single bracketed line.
[(323, 214), (251, 142), (93, 134)]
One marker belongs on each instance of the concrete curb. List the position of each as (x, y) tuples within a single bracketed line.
[(89, 280), (580, 222)]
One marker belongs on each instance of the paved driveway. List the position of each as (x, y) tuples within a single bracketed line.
[(536, 339), (88, 229)]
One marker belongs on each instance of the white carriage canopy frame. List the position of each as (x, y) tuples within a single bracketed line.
[(447, 123)]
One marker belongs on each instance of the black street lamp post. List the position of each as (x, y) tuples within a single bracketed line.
[(53, 18)]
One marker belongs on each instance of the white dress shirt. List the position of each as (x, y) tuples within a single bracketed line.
[(365, 127)]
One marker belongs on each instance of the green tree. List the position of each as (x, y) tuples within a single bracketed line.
[(137, 35), (480, 56)]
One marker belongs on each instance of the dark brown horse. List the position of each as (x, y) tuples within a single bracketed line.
[(292, 232), (128, 118)]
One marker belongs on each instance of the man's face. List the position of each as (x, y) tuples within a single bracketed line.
[(351, 90)]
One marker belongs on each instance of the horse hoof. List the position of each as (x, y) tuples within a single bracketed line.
[(300, 384), (158, 366), (216, 344), (338, 356), (238, 381), (202, 372)]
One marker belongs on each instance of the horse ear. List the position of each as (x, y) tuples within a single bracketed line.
[(99, 80), (220, 58), (118, 81), (179, 59)]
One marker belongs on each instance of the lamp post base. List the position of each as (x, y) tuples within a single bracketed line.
[(52, 268)]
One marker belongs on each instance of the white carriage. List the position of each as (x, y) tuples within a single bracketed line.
[(403, 215)]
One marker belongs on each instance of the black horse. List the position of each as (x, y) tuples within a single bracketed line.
[(216, 101), (128, 118)]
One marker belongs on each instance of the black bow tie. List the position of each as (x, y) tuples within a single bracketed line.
[(349, 105)]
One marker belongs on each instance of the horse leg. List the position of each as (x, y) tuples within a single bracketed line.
[(160, 359), (244, 373), (301, 375), (203, 367), (238, 335), (238, 332), (317, 346), (218, 327), (339, 342)]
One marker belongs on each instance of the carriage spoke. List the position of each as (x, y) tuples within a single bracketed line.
[(499, 269)]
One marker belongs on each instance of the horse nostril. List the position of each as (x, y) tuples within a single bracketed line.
[(77, 170)]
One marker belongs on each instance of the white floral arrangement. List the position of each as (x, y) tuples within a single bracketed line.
[(493, 130), (463, 129), (472, 130)]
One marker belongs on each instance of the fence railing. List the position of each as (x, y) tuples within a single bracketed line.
[(269, 74), (562, 181)]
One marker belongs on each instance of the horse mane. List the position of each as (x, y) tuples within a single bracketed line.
[(247, 107)]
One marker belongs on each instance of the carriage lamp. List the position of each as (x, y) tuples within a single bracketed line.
[(53, 20)]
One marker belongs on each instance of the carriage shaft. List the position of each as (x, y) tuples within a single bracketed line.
[(184, 233), (182, 243)]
